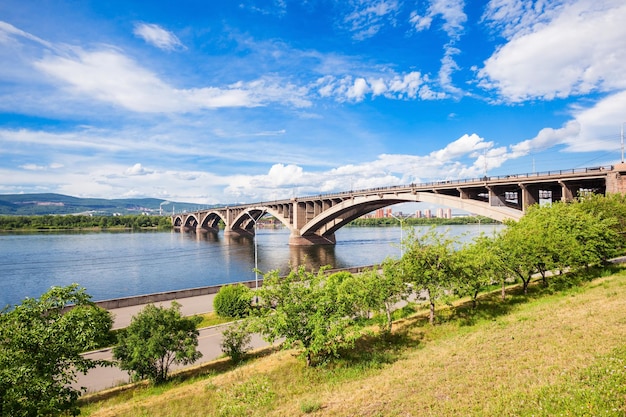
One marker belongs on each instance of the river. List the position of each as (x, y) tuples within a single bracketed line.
[(121, 264)]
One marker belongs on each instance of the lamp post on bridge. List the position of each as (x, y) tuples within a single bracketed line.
[(401, 220), (256, 265)]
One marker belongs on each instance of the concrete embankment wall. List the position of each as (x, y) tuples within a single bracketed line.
[(190, 292)]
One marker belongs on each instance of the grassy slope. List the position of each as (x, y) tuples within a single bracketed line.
[(548, 354)]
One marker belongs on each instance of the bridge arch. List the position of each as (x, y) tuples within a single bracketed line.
[(327, 223), (210, 220), (242, 221), (190, 221)]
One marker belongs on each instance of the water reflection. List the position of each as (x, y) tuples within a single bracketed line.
[(312, 257)]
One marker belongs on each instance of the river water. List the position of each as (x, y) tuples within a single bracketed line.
[(121, 264)]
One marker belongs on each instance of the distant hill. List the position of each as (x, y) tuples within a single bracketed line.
[(40, 204)]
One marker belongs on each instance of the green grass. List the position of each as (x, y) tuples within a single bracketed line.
[(212, 319), (560, 350)]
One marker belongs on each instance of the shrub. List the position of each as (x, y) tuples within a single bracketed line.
[(236, 341), (157, 338), (233, 301)]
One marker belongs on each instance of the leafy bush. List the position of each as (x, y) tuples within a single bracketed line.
[(156, 338), (236, 341), (233, 301)]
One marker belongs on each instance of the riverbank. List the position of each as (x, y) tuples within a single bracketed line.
[(557, 350), (192, 300)]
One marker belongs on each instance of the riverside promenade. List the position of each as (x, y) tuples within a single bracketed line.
[(209, 340), (189, 306)]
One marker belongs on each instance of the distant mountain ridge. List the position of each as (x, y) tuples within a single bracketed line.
[(50, 203)]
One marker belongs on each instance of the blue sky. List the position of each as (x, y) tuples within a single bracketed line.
[(243, 101)]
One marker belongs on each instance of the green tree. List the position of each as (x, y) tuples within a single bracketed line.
[(308, 310), (599, 231), (41, 341), (427, 264), (554, 237), (233, 301), (156, 338), (378, 291), (519, 252), (476, 266)]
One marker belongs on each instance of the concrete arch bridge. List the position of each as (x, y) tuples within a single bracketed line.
[(313, 220)]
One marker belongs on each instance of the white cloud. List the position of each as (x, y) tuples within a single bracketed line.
[(157, 36), (33, 167), (514, 18), (137, 169), (358, 90), (111, 77), (411, 85), (580, 50), (8, 31), (465, 145), (453, 20), (546, 138), (465, 157), (369, 16), (449, 11), (600, 125)]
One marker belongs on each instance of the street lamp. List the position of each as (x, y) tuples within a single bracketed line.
[(401, 220), (256, 258)]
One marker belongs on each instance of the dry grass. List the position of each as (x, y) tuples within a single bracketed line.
[(501, 360)]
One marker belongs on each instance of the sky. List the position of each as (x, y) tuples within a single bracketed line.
[(222, 102)]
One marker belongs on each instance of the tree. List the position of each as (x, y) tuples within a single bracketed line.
[(41, 341), (427, 264), (378, 292), (156, 338), (556, 237), (476, 266), (604, 220), (520, 253), (308, 310), (233, 301)]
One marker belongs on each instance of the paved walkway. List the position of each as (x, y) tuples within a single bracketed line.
[(209, 342), (189, 306)]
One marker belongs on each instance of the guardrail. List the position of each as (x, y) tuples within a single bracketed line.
[(405, 187)]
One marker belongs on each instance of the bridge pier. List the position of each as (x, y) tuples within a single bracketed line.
[(239, 232), (205, 229), (616, 180), (311, 240)]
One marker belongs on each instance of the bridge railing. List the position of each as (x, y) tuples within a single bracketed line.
[(405, 187), (469, 180)]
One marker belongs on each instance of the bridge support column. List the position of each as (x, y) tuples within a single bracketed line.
[(200, 229), (495, 200), (528, 199), (238, 232), (299, 214), (311, 240), (616, 180), (567, 194)]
